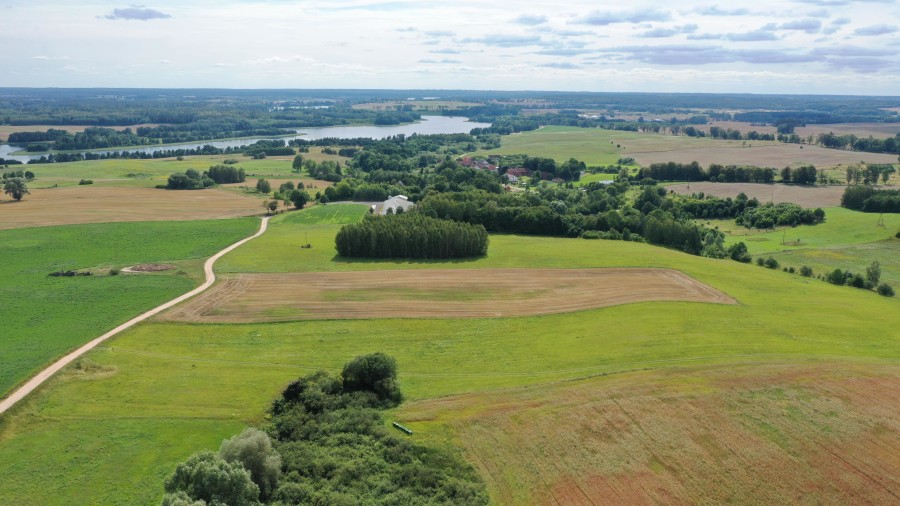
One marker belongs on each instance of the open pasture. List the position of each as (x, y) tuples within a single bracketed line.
[(776, 433), (805, 196), (854, 258), (842, 227), (162, 391), (97, 204), (154, 171), (484, 293), (45, 317)]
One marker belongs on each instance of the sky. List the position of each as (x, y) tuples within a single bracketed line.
[(762, 46)]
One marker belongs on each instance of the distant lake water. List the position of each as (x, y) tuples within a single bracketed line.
[(429, 125)]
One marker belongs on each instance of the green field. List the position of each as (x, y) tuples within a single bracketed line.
[(848, 240), (44, 317), (151, 172), (162, 391)]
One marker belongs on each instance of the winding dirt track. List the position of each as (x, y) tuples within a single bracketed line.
[(44, 375), (436, 293)]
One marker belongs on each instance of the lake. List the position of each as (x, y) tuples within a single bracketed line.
[(429, 125)]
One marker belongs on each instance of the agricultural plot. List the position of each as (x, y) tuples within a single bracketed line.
[(773, 434), (162, 391), (853, 258), (805, 196), (877, 130), (97, 204), (44, 317), (842, 227), (488, 293), (154, 171), (603, 147)]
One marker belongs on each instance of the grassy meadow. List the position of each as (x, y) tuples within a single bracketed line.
[(848, 240), (44, 317), (162, 390), (151, 172)]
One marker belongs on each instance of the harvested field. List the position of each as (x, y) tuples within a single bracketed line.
[(753, 434), (480, 293), (817, 196), (97, 204), (762, 154), (858, 129)]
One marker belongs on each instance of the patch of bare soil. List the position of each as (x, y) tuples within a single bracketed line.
[(470, 293), (150, 268)]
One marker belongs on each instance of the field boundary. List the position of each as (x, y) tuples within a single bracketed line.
[(44, 375)]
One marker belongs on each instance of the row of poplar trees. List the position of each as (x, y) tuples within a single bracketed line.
[(411, 235)]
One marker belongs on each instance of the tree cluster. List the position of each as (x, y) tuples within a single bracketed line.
[(326, 443), (870, 200), (411, 235), (783, 214)]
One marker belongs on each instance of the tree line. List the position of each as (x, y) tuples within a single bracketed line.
[(411, 235), (870, 200)]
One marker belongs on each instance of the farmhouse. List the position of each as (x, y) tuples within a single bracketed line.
[(395, 203), (512, 178)]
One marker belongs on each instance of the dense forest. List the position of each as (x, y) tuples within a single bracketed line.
[(411, 235)]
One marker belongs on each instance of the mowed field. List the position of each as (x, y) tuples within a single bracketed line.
[(97, 204), (805, 196), (807, 433), (603, 147), (493, 293)]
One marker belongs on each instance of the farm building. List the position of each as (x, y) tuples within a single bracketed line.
[(395, 203)]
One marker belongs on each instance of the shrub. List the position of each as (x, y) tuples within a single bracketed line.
[(760, 262), (771, 263), (86, 181), (806, 271), (836, 277), (207, 477), (263, 186), (857, 281), (373, 373), (886, 290)]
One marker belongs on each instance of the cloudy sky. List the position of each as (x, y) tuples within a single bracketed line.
[(762, 46)]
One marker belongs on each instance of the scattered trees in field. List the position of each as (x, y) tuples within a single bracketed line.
[(263, 186), (27, 175), (15, 188), (805, 175), (299, 198), (411, 235)]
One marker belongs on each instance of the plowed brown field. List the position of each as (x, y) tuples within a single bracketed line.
[(476, 293), (754, 434), (98, 204)]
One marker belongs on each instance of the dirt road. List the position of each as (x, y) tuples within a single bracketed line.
[(44, 375)]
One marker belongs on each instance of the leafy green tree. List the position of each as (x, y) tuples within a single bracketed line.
[(253, 449), (207, 477), (15, 188), (263, 186), (873, 274), (376, 373), (299, 198), (886, 290), (298, 163), (806, 271)]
